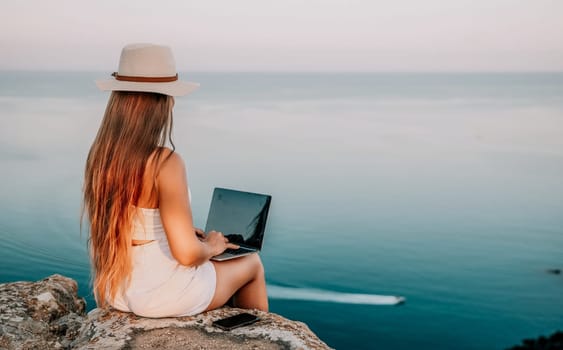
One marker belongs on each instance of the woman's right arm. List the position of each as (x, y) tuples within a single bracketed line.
[(176, 215)]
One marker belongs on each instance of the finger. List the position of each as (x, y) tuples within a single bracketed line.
[(232, 246)]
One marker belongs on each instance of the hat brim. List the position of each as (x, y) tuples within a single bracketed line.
[(175, 88)]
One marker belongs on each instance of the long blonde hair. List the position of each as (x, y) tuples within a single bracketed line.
[(135, 125)]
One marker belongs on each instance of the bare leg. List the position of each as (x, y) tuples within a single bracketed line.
[(242, 278)]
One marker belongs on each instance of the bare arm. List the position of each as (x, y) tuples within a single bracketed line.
[(176, 214)]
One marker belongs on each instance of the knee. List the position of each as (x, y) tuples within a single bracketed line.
[(257, 265)]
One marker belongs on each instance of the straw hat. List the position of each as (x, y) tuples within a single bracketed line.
[(148, 68)]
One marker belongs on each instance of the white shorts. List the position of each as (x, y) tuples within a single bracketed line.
[(161, 287)]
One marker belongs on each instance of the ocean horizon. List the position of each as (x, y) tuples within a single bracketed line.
[(444, 188)]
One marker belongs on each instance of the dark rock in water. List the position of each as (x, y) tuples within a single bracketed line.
[(48, 314), (553, 342), (554, 271), (40, 315)]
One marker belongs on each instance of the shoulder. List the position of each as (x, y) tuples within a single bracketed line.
[(164, 156), (171, 178), (169, 164)]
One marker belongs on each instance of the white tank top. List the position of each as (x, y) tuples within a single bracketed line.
[(147, 224)]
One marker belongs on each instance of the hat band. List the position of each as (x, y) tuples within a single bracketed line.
[(145, 79)]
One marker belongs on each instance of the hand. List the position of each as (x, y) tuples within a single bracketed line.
[(200, 234), (218, 243)]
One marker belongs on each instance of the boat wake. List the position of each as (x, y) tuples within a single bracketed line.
[(308, 294)]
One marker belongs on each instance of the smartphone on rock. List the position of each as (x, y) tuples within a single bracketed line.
[(236, 321)]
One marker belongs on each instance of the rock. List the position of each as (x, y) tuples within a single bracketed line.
[(552, 342), (117, 330), (48, 314), (40, 315)]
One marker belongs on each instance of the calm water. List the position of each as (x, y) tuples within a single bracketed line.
[(446, 189)]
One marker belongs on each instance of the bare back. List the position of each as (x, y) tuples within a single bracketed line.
[(149, 193)]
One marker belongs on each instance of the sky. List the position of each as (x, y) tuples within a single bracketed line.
[(288, 35)]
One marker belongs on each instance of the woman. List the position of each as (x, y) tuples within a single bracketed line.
[(147, 257)]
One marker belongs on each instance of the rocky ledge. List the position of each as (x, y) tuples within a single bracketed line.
[(48, 314), (40, 315)]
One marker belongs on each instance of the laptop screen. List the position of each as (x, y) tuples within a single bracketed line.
[(240, 216)]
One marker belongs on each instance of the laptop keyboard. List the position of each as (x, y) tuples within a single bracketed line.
[(240, 250)]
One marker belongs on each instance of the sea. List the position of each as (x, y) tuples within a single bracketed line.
[(442, 188)]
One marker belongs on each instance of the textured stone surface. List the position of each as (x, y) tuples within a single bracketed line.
[(46, 314), (552, 342), (117, 330)]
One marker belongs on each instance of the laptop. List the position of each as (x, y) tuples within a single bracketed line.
[(241, 217)]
